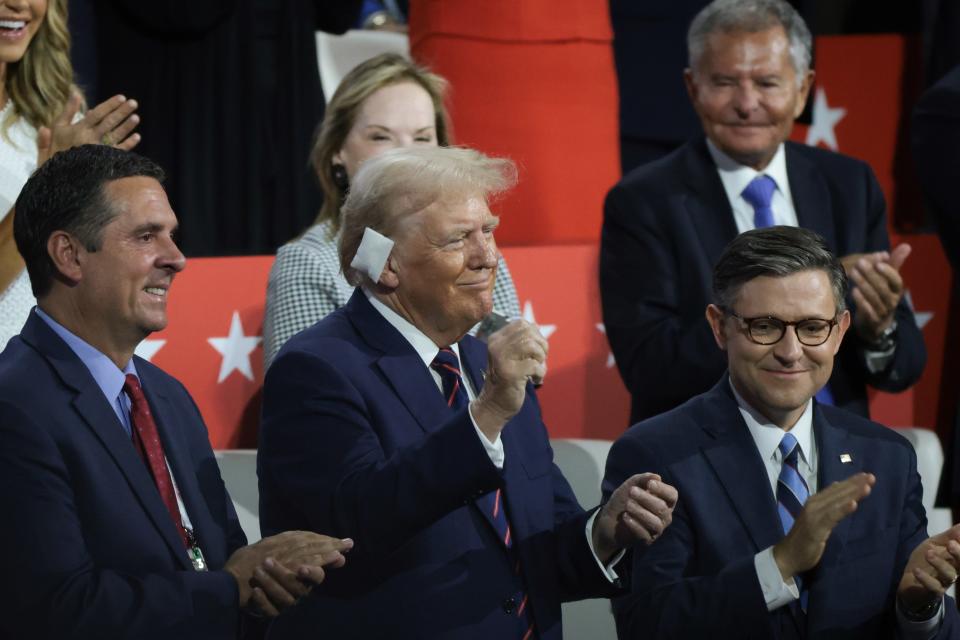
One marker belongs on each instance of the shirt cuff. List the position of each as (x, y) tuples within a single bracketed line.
[(494, 449), (776, 592), (607, 569), (922, 630), (878, 361)]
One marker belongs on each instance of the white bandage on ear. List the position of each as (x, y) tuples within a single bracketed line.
[(372, 254)]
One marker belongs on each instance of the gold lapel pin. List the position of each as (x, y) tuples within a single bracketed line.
[(846, 458)]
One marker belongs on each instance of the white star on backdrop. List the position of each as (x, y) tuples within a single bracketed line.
[(546, 330), (610, 359), (920, 317), (148, 348), (824, 121), (235, 349)]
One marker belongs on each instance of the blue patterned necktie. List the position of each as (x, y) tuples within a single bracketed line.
[(792, 493), (759, 193), (491, 504)]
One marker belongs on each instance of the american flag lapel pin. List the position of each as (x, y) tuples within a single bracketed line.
[(846, 458)]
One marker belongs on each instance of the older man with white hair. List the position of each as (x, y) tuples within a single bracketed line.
[(386, 421), (666, 223)]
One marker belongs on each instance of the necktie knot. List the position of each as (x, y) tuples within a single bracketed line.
[(759, 193), (447, 364), (132, 386), (789, 449), (446, 360)]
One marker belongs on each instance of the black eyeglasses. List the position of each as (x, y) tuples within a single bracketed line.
[(768, 330)]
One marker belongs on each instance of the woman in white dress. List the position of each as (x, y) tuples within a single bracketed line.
[(383, 103), (40, 114)]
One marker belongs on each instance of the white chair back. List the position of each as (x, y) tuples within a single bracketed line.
[(238, 468), (582, 463), (336, 55)]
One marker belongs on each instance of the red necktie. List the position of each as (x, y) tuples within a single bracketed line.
[(146, 430)]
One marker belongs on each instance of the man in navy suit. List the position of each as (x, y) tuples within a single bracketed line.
[(387, 421), (117, 521), (666, 223), (795, 519)]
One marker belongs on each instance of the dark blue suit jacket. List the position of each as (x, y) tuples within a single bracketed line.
[(357, 441), (699, 579), (665, 226), (90, 549)]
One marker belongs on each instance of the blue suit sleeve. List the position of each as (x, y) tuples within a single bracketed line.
[(55, 590), (666, 600), (322, 464)]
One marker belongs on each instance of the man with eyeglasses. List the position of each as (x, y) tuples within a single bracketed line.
[(796, 519)]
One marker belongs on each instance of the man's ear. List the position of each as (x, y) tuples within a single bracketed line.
[(716, 317), (390, 276), (805, 85), (690, 83), (67, 254), (843, 323)]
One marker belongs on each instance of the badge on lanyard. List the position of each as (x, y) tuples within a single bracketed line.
[(196, 555)]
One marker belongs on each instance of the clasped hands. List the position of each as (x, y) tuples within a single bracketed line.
[(931, 569), (877, 288), (277, 571)]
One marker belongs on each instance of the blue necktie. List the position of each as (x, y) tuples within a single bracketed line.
[(491, 504), (759, 193), (792, 493)]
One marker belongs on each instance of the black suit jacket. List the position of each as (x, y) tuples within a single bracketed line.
[(91, 551), (699, 580), (666, 224)]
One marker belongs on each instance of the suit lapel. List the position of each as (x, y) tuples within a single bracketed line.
[(734, 458), (706, 202), (811, 199), (832, 443), (399, 364), (181, 465), (98, 415)]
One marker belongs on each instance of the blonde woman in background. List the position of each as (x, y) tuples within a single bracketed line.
[(40, 114), (383, 103)]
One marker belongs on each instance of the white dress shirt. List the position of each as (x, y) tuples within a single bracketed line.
[(735, 178), (767, 437)]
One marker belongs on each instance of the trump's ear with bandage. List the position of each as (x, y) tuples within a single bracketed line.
[(399, 183)]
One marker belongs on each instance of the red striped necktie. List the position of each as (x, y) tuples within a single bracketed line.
[(149, 439), (491, 504)]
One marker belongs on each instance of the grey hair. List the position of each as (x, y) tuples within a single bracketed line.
[(403, 181), (775, 252), (726, 16)]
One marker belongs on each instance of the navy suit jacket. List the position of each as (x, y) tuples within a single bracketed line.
[(357, 441), (699, 579), (90, 549), (665, 226)]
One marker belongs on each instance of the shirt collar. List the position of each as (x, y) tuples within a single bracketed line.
[(736, 177), (105, 373), (426, 348), (767, 435)]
